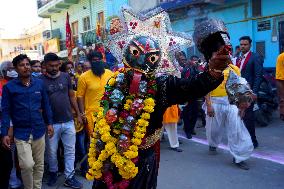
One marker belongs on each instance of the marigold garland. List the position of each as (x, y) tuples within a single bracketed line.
[(107, 133)]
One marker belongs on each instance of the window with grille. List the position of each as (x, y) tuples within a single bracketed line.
[(256, 8), (260, 48), (75, 32), (86, 23)]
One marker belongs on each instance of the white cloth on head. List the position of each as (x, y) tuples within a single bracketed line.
[(171, 129), (227, 119)]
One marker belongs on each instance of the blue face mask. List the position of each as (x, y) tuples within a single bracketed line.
[(36, 74)]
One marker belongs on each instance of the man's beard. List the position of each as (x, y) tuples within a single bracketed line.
[(98, 68)]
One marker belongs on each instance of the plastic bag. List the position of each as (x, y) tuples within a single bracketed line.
[(238, 90)]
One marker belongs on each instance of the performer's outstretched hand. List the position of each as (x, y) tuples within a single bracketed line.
[(219, 62)]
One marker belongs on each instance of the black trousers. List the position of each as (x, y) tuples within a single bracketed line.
[(6, 165), (249, 121), (189, 116)]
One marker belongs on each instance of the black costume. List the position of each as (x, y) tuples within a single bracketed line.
[(171, 90)]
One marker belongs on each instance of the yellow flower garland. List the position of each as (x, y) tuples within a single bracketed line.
[(126, 167)]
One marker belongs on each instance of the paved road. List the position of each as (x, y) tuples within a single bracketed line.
[(195, 169)]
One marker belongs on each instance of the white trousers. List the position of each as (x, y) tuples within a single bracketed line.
[(227, 118), (171, 129)]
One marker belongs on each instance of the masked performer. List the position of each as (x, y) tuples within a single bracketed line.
[(124, 148)]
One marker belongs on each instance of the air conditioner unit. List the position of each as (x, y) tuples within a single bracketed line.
[(49, 34)]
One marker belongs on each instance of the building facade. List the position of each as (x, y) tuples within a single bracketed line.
[(85, 17), (30, 42), (262, 20)]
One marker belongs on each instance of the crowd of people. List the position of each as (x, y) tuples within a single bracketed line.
[(50, 105)]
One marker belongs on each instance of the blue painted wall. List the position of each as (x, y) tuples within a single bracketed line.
[(238, 18)]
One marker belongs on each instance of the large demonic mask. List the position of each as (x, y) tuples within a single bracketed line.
[(147, 43), (142, 54)]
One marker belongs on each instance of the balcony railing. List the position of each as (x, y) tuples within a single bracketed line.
[(41, 3), (48, 7)]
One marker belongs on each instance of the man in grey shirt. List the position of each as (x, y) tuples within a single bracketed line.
[(62, 98)]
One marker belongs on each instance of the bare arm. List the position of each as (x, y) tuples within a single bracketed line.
[(81, 102), (73, 102)]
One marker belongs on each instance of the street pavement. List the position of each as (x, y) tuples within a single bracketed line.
[(194, 168)]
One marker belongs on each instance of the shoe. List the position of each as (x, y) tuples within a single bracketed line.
[(188, 135), (52, 179), (73, 183), (212, 150), (255, 144), (177, 149), (241, 165)]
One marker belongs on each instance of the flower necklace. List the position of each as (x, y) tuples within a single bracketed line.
[(121, 124)]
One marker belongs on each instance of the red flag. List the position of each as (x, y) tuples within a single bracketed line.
[(69, 40)]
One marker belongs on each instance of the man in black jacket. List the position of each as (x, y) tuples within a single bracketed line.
[(251, 66), (191, 109)]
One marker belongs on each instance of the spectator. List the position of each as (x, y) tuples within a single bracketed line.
[(100, 48), (190, 110), (86, 66), (8, 68), (237, 51), (280, 82), (67, 67), (36, 68), (170, 120), (91, 87), (6, 163), (43, 70), (110, 60), (78, 69), (23, 97), (62, 97), (181, 58), (251, 66)]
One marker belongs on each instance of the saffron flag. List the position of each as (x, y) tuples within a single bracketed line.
[(98, 30), (69, 40)]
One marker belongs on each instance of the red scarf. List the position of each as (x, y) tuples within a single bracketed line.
[(239, 61)]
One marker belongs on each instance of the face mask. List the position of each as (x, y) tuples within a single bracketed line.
[(36, 74), (12, 74), (98, 68), (53, 76)]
